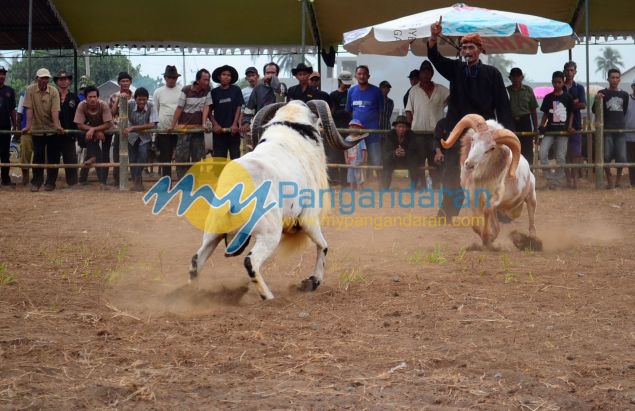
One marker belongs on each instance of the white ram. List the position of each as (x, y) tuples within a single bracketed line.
[(491, 164), (290, 150)]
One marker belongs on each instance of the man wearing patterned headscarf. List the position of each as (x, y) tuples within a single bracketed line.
[(475, 88)]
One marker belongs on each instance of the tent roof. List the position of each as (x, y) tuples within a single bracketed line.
[(247, 24)]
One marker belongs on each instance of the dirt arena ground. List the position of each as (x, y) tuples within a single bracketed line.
[(95, 313)]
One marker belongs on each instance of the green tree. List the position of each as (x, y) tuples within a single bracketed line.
[(502, 63), (148, 82), (287, 62), (103, 67), (610, 58), (4, 62)]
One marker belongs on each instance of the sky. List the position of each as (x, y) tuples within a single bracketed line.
[(536, 67)]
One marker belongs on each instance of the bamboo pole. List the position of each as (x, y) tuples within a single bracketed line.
[(162, 131), (599, 142), (330, 165), (123, 142)]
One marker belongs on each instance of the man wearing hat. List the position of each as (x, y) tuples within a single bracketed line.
[(389, 106), (399, 151), (43, 103), (165, 100), (83, 83), (413, 77), (524, 111), (475, 88), (315, 81), (8, 121), (424, 109), (252, 76), (227, 101), (68, 105), (302, 91), (338, 99)]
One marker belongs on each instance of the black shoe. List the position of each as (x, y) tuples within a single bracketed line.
[(9, 184), (34, 188), (48, 187)]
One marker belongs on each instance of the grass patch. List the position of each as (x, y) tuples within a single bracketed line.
[(89, 260), (350, 277), (508, 275), (461, 255), (436, 256), (416, 258), (6, 278)]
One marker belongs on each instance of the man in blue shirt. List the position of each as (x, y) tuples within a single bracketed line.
[(366, 102)]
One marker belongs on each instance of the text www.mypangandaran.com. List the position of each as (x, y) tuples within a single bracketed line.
[(380, 222)]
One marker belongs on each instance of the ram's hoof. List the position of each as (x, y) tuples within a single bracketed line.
[(310, 284), (525, 242)]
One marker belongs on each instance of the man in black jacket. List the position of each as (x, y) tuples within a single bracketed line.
[(475, 88)]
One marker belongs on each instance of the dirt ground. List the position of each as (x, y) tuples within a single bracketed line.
[(95, 313)]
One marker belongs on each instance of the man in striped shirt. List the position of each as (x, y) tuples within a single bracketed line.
[(141, 116), (191, 112)]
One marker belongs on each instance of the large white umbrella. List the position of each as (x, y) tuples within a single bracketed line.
[(502, 32)]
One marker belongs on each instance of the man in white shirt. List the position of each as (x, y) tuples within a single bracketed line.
[(165, 100), (426, 101)]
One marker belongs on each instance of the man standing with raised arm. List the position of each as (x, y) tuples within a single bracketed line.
[(475, 88)]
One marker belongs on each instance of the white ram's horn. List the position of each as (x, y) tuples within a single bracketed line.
[(508, 138), (469, 121), (334, 138)]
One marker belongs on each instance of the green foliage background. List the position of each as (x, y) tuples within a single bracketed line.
[(103, 67)]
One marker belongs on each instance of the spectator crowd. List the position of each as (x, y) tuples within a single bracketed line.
[(410, 142)]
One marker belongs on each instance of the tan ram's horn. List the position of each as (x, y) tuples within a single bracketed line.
[(262, 117), (334, 138), (508, 138), (469, 121)]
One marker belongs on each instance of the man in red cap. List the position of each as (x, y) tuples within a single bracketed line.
[(475, 88)]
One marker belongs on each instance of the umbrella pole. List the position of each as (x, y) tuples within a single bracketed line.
[(303, 28), (590, 159), (29, 44)]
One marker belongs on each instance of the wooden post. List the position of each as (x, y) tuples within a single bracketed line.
[(599, 142), (123, 142)]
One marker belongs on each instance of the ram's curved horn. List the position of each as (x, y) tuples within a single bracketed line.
[(334, 138), (262, 117), (469, 121), (508, 138)]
